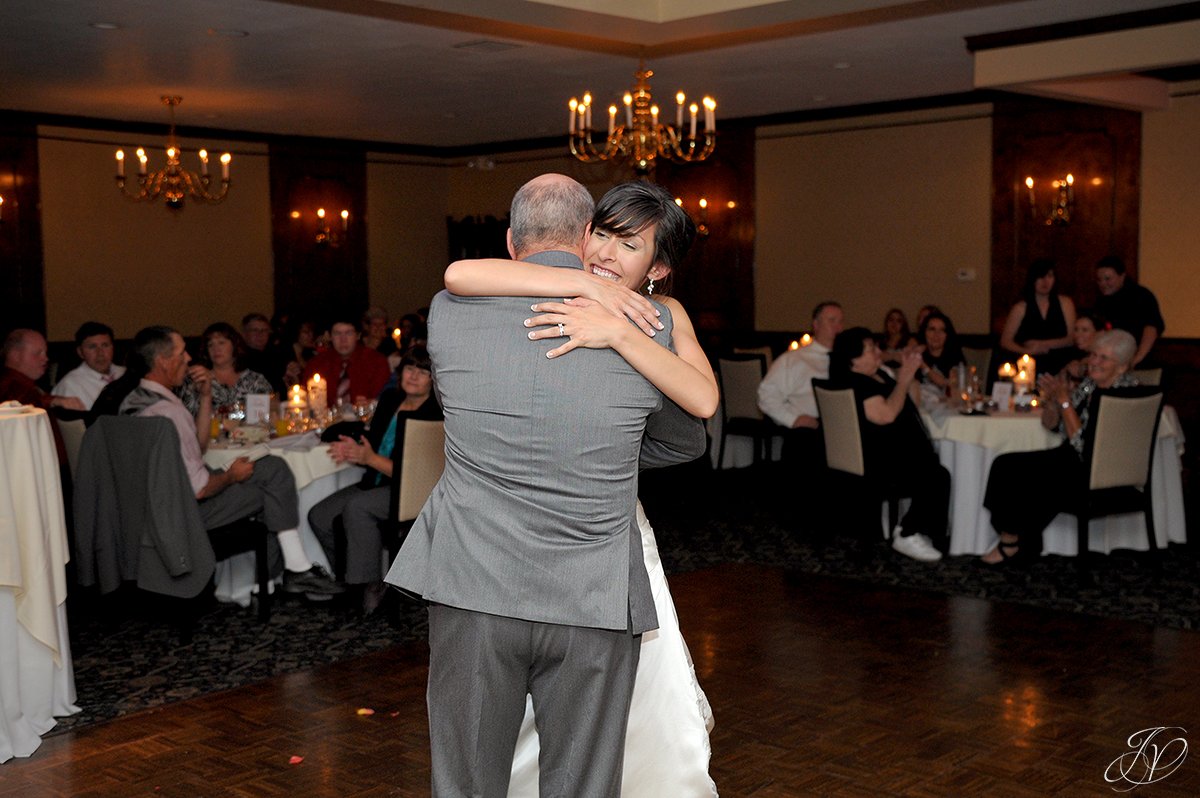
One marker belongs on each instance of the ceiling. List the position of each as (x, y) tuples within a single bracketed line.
[(461, 73)]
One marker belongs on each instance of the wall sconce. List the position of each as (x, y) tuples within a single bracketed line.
[(324, 236), (1062, 200), (701, 214)]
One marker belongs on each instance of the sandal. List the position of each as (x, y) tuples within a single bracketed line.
[(1010, 554)]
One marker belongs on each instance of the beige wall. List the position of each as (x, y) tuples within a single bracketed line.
[(1169, 241), (406, 238), (874, 213), (133, 264)]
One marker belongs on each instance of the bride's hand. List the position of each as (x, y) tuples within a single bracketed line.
[(621, 301), (583, 322)]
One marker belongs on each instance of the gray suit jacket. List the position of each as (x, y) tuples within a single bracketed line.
[(533, 517)]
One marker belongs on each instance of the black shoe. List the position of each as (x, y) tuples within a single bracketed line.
[(316, 581)]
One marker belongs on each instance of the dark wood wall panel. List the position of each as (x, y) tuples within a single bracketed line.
[(319, 279), (1101, 148), (23, 298), (716, 282)]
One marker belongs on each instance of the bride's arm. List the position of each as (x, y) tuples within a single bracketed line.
[(499, 277), (684, 376)]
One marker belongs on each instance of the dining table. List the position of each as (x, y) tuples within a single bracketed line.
[(37, 680), (317, 476), (968, 443)]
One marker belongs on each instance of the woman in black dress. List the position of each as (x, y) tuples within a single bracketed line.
[(1041, 322), (942, 351), (896, 447)]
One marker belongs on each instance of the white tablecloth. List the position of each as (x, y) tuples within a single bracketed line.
[(967, 445), (37, 681), (317, 476)]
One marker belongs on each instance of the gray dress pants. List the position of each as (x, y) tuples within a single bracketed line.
[(361, 511), (270, 491), (480, 669)]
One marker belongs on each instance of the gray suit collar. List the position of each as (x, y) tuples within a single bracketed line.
[(555, 257)]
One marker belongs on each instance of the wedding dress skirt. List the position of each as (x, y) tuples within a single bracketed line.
[(666, 745)]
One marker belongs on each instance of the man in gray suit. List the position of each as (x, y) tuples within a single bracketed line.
[(528, 549)]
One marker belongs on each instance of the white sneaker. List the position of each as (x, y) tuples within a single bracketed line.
[(918, 547)]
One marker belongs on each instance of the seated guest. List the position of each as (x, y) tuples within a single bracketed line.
[(261, 354), (924, 311), (25, 362), (1025, 490), (354, 372), (895, 337), (896, 447), (363, 506), (942, 351), (265, 487), (1087, 325), (229, 379), (94, 344), (1041, 321), (413, 331), (376, 333)]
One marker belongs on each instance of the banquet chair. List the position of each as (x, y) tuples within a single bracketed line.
[(765, 351), (422, 459), (738, 376), (137, 518), (1148, 377), (841, 427), (1118, 455), (981, 359)]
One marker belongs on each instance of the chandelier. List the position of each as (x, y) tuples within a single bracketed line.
[(641, 137), (174, 183)]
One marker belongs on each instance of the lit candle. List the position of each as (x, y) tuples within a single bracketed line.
[(612, 119), (628, 100), (225, 159), (693, 109), (297, 397), (203, 162), (317, 394), (396, 333), (141, 154), (587, 110), (679, 100), (794, 345), (710, 114), (654, 115), (345, 220), (805, 339), (120, 163), (573, 105), (1029, 366), (321, 214), (1007, 371)]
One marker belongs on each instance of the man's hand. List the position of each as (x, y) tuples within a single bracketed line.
[(202, 380), (240, 469), (67, 402)]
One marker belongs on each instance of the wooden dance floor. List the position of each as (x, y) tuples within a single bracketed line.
[(819, 687)]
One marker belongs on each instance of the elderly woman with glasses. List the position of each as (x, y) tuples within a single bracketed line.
[(1044, 481)]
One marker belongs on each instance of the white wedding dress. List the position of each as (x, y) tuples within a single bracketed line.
[(666, 745)]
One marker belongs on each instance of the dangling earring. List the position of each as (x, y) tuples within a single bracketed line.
[(650, 288)]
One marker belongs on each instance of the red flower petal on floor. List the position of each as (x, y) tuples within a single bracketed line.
[(365, 711), (295, 760)]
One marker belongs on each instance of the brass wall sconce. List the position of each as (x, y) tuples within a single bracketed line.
[(1062, 200), (701, 214), (324, 235)]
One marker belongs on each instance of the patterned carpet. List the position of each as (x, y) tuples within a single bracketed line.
[(128, 658)]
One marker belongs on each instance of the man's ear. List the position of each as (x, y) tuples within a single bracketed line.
[(508, 242)]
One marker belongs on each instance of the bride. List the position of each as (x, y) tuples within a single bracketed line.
[(630, 244)]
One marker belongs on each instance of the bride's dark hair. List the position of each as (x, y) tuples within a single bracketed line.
[(628, 208)]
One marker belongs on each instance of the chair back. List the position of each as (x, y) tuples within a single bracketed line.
[(765, 351), (1119, 442), (1149, 377), (981, 359), (739, 377), (840, 427), (421, 464), (72, 435)]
